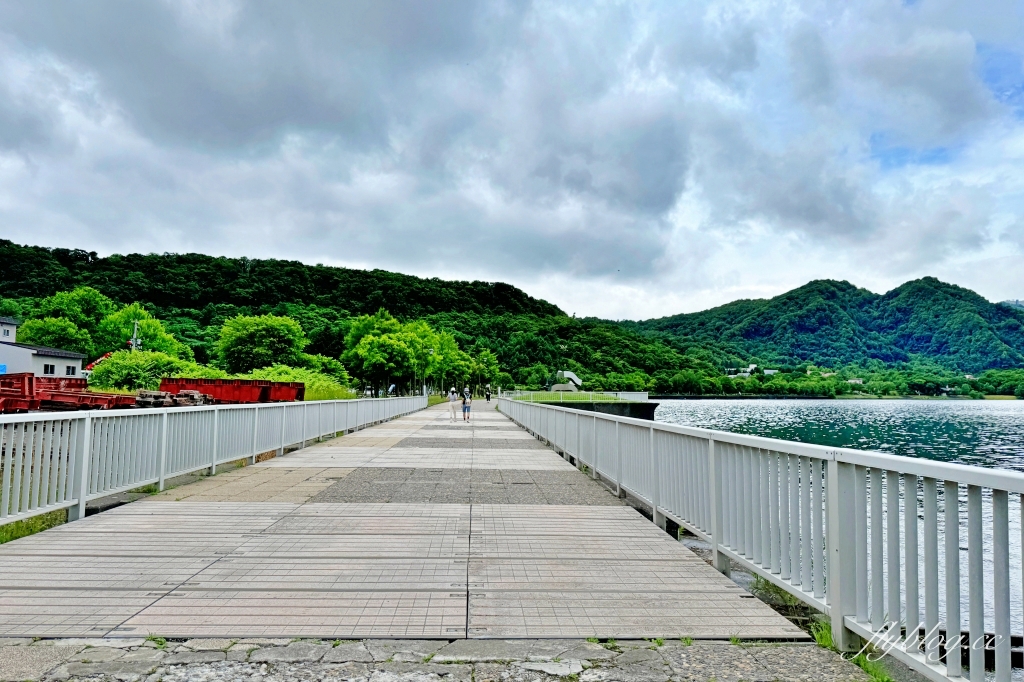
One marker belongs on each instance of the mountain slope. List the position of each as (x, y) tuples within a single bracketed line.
[(194, 281), (834, 323)]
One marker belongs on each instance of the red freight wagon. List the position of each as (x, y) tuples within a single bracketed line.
[(24, 391), (238, 390)]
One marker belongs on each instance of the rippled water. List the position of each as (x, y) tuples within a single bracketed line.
[(980, 432)]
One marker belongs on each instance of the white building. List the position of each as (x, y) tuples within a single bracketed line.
[(8, 330), (40, 360)]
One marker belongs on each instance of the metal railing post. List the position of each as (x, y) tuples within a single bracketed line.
[(163, 451), (719, 560), (841, 550), (284, 422), (216, 441), (82, 471), (255, 433), (658, 517), (618, 463)]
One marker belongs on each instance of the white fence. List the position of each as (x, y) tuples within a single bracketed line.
[(573, 396), (51, 461), (869, 539)]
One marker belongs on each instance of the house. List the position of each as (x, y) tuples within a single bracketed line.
[(855, 381), (40, 360), (769, 372), (8, 329)]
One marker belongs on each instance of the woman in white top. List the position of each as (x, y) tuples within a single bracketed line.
[(453, 399)]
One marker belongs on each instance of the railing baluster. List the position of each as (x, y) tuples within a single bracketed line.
[(794, 518), (877, 580), (773, 511), (806, 579), (817, 530), (952, 551), (975, 584), (861, 551), (931, 572), (913, 611), (1001, 582), (892, 519)]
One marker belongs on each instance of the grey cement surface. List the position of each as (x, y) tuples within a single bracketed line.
[(107, 660), (467, 486)]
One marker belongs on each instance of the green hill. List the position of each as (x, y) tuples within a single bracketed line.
[(195, 281), (834, 323)]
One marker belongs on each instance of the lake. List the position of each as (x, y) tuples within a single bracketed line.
[(981, 432)]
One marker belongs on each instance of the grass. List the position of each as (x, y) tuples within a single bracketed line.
[(161, 642), (772, 593), (593, 640), (436, 400), (734, 640), (610, 645), (822, 632), (30, 526), (687, 641)]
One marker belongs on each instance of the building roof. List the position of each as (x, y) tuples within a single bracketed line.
[(9, 320), (49, 352)]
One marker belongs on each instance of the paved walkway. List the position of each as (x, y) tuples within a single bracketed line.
[(418, 528)]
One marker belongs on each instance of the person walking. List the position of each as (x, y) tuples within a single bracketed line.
[(488, 394), (467, 402), (453, 398)]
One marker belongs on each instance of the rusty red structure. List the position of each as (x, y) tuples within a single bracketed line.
[(23, 392), (236, 391)]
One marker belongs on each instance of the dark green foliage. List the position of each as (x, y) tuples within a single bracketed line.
[(834, 324), (253, 342), (195, 281)]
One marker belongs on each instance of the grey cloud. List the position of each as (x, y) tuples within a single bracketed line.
[(929, 82), (812, 66)]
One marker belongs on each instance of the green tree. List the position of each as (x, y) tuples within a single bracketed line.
[(55, 332), (116, 329), (251, 342), (84, 306), (329, 366), (318, 386), (383, 359), (448, 364)]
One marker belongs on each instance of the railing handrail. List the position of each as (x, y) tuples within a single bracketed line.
[(1002, 479), (852, 533), (61, 460)]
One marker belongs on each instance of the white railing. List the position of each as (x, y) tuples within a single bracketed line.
[(58, 460), (864, 537), (574, 396)]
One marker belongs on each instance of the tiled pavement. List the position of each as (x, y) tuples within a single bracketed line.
[(417, 528)]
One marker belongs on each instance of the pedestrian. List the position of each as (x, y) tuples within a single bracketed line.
[(467, 402), (488, 394), (453, 398)]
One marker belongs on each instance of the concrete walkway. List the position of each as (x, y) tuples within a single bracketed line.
[(418, 528)]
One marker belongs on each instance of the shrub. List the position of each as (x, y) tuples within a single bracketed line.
[(318, 386)]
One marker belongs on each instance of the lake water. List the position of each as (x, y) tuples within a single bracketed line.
[(981, 432)]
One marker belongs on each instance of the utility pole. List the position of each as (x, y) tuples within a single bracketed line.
[(135, 342)]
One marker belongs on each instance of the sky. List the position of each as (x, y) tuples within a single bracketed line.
[(620, 159)]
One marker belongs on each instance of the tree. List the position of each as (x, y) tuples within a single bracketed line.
[(251, 342), (382, 359), (55, 332), (318, 386), (448, 364), (485, 367), (116, 330), (84, 306)]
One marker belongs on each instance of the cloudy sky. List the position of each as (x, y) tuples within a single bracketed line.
[(620, 159)]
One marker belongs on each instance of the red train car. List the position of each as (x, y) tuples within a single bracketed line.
[(229, 391)]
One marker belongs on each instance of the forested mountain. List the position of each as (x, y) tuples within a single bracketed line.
[(834, 323), (917, 338), (195, 281)]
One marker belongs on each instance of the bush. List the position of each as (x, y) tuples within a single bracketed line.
[(138, 370), (318, 386)]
